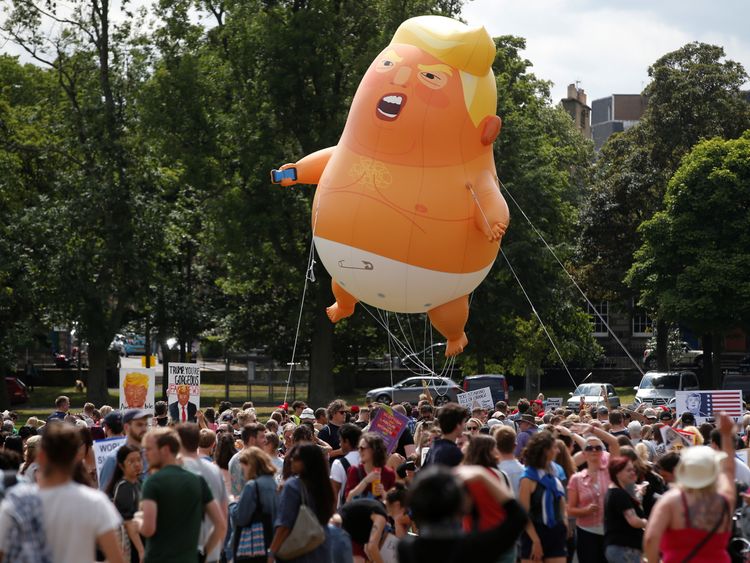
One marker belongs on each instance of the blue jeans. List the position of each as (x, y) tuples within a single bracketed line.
[(622, 554)]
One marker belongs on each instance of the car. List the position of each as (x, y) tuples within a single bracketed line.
[(594, 394), (135, 346), (17, 391), (497, 383), (442, 390), (684, 356), (658, 388), (739, 382)]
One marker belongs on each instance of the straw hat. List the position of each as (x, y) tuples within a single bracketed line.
[(699, 466)]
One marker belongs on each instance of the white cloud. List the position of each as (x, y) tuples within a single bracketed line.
[(607, 46)]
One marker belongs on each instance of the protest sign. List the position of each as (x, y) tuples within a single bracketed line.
[(675, 439), (477, 398), (707, 405), (103, 449), (183, 391), (389, 549), (390, 425), (137, 389), (553, 403)]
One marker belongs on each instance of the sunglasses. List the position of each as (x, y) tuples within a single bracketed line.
[(472, 428), (594, 448)]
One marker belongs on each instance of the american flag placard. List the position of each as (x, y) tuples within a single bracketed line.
[(708, 404)]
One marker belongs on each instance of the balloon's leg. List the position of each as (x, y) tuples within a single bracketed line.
[(450, 319), (344, 306)]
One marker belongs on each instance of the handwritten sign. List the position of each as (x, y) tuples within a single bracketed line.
[(390, 425), (183, 390), (103, 449), (553, 403), (478, 398)]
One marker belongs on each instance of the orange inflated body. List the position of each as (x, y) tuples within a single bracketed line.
[(407, 215)]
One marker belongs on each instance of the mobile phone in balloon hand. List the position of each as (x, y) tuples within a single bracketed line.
[(278, 175)]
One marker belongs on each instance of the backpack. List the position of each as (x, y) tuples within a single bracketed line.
[(26, 540)]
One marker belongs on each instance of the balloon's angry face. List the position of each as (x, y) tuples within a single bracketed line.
[(410, 103)]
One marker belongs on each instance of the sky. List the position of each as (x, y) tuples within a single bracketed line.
[(606, 45)]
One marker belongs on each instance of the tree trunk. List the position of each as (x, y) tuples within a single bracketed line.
[(321, 390), (662, 345), (706, 375), (4, 398), (96, 387), (716, 348)]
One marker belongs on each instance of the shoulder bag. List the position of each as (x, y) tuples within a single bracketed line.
[(307, 533)]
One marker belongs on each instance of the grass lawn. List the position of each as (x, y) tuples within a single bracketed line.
[(43, 398)]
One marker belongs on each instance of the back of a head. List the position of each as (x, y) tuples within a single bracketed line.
[(251, 430), (505, 437), (450, 416), (314, 475), (60, 444), (189, 433), (207, 438), (615, 418), (435, 496), (160, 408), (351, 433)]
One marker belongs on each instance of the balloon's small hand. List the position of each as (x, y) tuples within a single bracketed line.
[(496, 232)]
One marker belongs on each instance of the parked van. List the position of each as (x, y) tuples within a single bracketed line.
[(497, 383), (659, 388)]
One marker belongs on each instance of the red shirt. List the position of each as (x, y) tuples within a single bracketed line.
[(487, 512), (356, 473)]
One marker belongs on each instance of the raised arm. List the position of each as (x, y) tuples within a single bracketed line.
[(725, 484), (309, 169)]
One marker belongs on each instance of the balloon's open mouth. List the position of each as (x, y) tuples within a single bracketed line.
[(390, 106)]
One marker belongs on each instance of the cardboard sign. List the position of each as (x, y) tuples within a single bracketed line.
[(477, 398), (137, 389), (390, 425), (183, 391), (389, 549), (105, 448), (553, 403), (676, 439), (707, 405)]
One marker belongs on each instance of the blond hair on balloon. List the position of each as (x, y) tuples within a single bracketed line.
[(469, 49)]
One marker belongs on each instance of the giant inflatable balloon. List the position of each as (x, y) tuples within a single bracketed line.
[(407, 215)]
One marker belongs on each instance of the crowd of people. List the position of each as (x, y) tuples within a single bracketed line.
[(500, 485)]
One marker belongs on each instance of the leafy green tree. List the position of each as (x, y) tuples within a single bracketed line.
[(694, 265)]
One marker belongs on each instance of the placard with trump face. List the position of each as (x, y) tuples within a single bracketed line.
[(183, 391), (137, 389)]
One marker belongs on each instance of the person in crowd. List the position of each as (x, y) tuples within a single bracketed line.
[(125, 492), (741, 470), (297, 408), (398, 515), (135, 425), (371, 477), (586, 493), (472, 426), (444, 450), (436, 500), (258, 501), (350, 435), (652, 485), (624, 518), (206, 444), (330, 432), (253, 434), (174, 501), (486, 513), (617, 426), (505, 437), (225, 451), (189, 433), (271, 447), (96, 520), (30, 466), (62, 406), (365, 520), (161, 413), (693, 520), (543, 497), (321, 418), (526, 429), (666, 465), (309, 484)]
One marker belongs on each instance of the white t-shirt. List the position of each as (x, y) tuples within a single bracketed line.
[(741, 471), (338, 473), (74, 516)]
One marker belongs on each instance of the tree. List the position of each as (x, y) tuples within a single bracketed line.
[(543, 162), (95, 233), (693, 94), (694, 265)]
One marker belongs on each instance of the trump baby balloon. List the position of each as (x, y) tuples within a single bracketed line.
[(407, 215)]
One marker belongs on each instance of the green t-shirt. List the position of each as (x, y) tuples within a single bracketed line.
[(180, 498)]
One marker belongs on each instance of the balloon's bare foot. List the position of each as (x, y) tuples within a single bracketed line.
[(455, 347), (335, 312)]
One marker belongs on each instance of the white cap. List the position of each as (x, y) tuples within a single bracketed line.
[(307, 414), (634, 427), (699, 466)]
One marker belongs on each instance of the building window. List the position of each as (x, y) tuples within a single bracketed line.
[(642, 323), (599, 322)]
